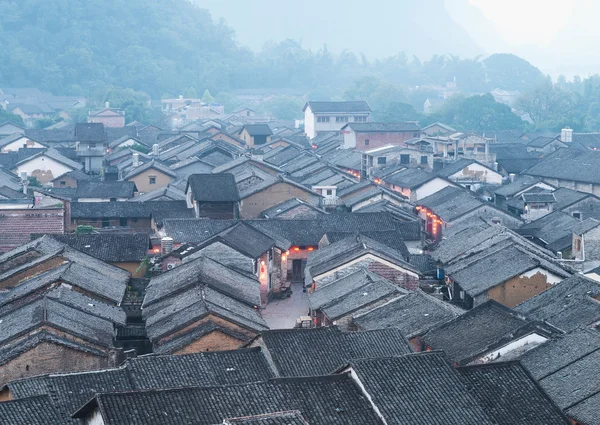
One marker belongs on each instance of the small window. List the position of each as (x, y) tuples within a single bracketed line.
[(366, 142), (577, 244), (63, 183), (322, 119), (330, 191), (113, 199), (577, 215), (381, 160), (152, 179), (424, 160), (404, 159), (341, 119), (105, 222), (123, 222), (360, 119)]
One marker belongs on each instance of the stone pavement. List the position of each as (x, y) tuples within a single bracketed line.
[(282, 314)]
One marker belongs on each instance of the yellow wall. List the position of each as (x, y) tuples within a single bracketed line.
[(142, 180)]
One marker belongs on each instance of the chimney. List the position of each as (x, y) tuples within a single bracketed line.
[(107, 105), (24, 181), (566, 135), (180, 97), (495, 166), (155, 149), (136, 160), (511, 177), (166, 245)]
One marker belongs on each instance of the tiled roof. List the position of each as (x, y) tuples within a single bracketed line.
[(570, 167), (477, 332), (391, 238), (413, 314), (258, 130), (451, 203), (455, 167), (200, 272), (199, 369), (506, 263), (29, 411), (329, 348), (383, 127), (331, 400), (402, 389), (290, 204), (509, 395), (410, 178), (566, 305), (351, 293), (105, 189), (566, 197), (90, 133), (539, 197), (108, 247), (246, 239), (154, 164), (214, 187), (277, 418), (359, 106), (124, 209)]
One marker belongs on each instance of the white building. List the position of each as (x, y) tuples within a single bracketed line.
[(332, 116)]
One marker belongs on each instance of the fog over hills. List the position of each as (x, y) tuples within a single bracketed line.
[(378, 28)]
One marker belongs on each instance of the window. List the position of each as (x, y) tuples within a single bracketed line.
[(577, 244), (322, 119), (341, 119), (404, 159), (329, 192), (105, 222), (63, 183), (123, 222), (113, 199), (152, 179), (360, 119), (577, 215), (366, 142), (381, 160), (424, 160)]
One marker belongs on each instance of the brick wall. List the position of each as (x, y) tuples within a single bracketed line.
[(48, 357), (377, 140), (214, 341), (254, 205), (17, 225), (403, 280)]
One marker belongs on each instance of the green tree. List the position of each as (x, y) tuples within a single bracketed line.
[(283, 107), (6, 116), (207, 97)]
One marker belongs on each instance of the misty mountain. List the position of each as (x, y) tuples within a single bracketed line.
[(377, 28)]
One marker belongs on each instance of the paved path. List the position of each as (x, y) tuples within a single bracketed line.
[(282, 314)]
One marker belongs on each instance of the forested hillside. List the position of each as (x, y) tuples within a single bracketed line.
[(170, 46)]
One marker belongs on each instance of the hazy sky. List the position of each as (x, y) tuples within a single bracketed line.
[(527, 21)]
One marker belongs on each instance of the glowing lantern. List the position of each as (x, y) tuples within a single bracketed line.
[(296, 249), (310, 248)]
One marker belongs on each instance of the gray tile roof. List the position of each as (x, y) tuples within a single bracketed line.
[(48, 312), (359, 106), (198, 273), (105, 189), (571, 167), (451, 203), (551, 228), (331, 400), (455, 167), (258, 129), (539, 197), (154, 164), (566, 305), (566, 197), (410, 178), (330, 348), (474, 277), (194, 230), (480, 330), (346, 250), (30, 411), (277, 418), (246, 239), (124, 209), (509, 395), (214, 187), (90, 133), (383, 127), (392, 238), (290, 204), (402, 389), (413, 314), (351, 293)]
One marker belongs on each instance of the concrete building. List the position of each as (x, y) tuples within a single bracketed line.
[(332, 116)]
